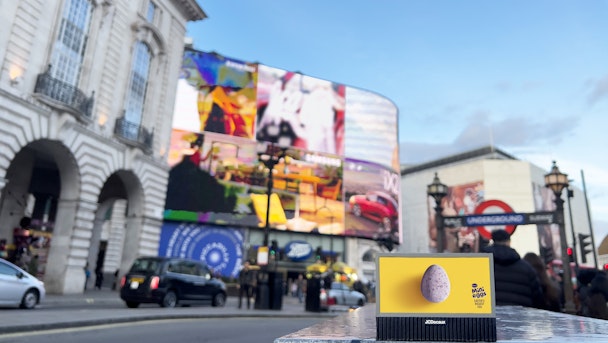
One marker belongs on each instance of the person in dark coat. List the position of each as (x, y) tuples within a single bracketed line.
[(550, 287), (247, 279), (515, 281)]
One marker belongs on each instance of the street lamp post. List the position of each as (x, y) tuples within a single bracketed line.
[(438, 191), (269, 156), (557, 181), (574, 251)]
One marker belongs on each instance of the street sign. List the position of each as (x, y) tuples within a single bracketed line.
[(507, 218), (538, 218)]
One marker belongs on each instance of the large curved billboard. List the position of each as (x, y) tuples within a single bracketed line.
[(341, 174)]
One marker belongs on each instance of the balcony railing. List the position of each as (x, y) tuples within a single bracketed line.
[(134, 135), (65, 96)]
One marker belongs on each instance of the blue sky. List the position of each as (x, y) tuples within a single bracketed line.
[(531, 77)]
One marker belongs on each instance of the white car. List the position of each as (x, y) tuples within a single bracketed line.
[(18, 288), (341, 294)]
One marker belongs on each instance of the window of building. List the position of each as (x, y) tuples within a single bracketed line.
[(69, 48), (136, 93), (370, 256), (151, 13)]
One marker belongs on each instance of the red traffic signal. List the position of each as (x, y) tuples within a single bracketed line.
[(570, 253)]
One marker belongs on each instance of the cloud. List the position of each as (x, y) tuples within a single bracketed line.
[(599, 91), (479, 131)]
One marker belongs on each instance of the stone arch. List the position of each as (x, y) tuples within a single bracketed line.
[(43, 176), (120, 205)]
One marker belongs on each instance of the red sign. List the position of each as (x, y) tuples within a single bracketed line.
[(481, 208)]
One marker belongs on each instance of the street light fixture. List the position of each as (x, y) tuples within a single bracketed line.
[(438, 191), (557, 181), (269, 155)]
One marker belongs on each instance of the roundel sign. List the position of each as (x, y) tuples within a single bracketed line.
[(493, 207)]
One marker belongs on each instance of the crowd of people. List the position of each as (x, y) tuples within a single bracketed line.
[(526, 282)]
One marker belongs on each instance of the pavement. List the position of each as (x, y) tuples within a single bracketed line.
[(98, 307)]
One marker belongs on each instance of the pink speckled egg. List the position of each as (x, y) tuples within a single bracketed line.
[(435, 284)]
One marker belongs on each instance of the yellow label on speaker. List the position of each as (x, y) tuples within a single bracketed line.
[(441, 284)]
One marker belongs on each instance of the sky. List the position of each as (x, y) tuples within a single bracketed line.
[(529, 77)]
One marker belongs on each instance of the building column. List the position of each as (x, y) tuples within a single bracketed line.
[(70, 245), (131, 247), (58, 259)]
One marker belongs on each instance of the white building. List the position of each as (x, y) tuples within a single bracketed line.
[(481, 175), (87, 91)]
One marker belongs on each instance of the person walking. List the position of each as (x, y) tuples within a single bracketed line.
[(550, 287), (246, 283), (515, 280), (301, 287)]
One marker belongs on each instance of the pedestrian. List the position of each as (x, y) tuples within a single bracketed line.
[(3, 249), (99, 269), (87, 275), (301, 287), (515, 281), (294, 288), (246, 283), (598, 296), (550, 287), (24, 258)]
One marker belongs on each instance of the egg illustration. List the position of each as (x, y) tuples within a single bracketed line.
[(435, 284)]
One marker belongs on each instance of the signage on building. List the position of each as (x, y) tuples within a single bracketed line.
[(220, 248), (298, 250), (508, 218)]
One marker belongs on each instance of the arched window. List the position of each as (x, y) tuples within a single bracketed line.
[(136, 93), (369, 256), (70, 45)]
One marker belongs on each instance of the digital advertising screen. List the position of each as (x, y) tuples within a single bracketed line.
[(340, 174)]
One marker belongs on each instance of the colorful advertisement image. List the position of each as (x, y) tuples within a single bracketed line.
[(372, 193), (446, 284), (308, 110), (461, 200), (548, 234), (230, 117), (220, 248), (225, 90), (220, 179)]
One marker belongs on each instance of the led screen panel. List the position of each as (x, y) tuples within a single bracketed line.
[(227, 110)]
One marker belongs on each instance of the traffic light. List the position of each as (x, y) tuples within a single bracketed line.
[(585, 244), (570, 254), (319, 253), (274, 248)]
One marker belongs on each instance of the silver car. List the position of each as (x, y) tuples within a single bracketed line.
[(341, 294), (18, 288)]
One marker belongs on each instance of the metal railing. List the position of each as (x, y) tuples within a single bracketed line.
[(65, 94), (134, 134)]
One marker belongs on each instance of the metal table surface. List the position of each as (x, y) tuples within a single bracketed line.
[(513, 324)]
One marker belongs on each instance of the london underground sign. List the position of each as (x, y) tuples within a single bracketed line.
[(507, 218)]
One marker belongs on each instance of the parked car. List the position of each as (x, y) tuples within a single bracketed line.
[(19, 288), (169, 281), (340, 294), (377, 206)]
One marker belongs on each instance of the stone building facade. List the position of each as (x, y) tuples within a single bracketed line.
[(87, 91), (487, 174)]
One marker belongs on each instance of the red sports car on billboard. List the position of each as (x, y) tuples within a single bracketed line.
[(377, 206)]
